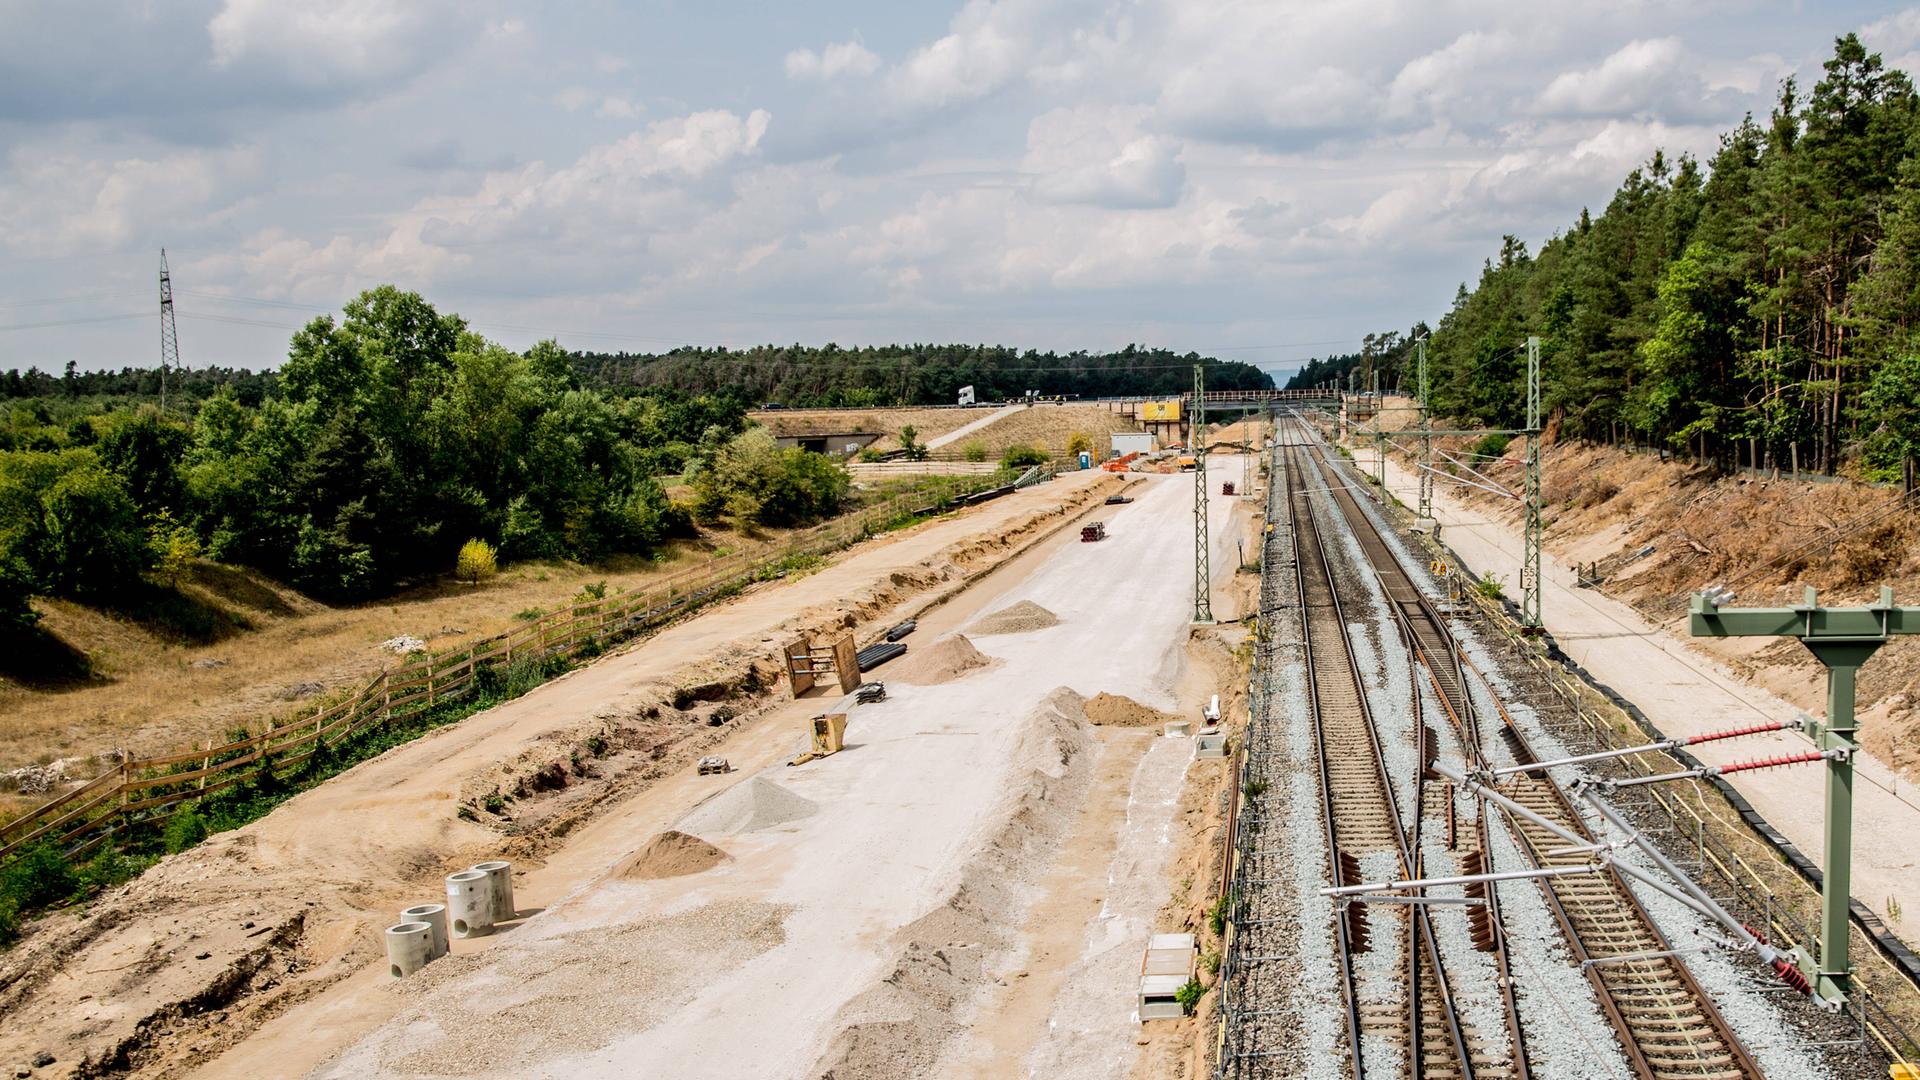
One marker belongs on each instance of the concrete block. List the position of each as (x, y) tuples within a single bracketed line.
[(470, 903), (409, 947), (1157, 997), (1179, 729), (435, 916), (1210, 744), (502, 875)]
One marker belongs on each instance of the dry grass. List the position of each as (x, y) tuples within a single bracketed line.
[(151, 690), (1047, 427), (927, 423)]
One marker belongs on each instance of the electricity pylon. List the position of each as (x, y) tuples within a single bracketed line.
[(169, 334)]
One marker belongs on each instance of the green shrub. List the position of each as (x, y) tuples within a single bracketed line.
[(36, 877), (530, 614), (185, 829), (1492, 445), (1021, 456), (1189, 995), (1217, 915), (974, 451), (1491, 587)]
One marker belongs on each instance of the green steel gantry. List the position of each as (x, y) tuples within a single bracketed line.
[(1842, 639), (1202, 568)]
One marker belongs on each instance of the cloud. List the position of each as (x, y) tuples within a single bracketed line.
[(187, 63), (1650, 77), (1096, 157), (64, 198), (844, 58), (1897, 38)]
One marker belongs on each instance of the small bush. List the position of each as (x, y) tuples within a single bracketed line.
[(37, 877), (974, 451), (1189, 996), (1217, 915), (476, 560), (1021, 456), (1078, 442), (1492, 588), (1211, 961), (530, 614), (184, 830), (594, 591), (870, 455), (1492, 445)]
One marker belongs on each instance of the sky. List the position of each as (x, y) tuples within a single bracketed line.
[(1262, 181)]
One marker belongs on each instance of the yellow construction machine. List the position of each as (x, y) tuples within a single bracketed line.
[(826, 734)]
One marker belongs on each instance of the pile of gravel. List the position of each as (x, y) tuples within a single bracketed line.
[(1021, 618), (756, 804)]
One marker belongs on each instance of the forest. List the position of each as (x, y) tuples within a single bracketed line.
[(1761, 308), (801, 376)]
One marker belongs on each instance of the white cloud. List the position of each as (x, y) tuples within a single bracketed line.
[(64, 199), (1098, 157), (843, 58), (1896, 38), (1655, 77), (613, 107), (1437, 81), (336, 44)]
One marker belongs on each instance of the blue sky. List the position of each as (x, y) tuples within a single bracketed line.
[(1264, 180)]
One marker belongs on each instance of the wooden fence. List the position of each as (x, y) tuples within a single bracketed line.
[(140, 790)]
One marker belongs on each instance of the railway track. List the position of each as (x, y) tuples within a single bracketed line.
[(1668, 1027), (1364, 824)]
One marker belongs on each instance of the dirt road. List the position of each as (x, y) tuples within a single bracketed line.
[(210, 944), (867, 895), (1685, 692)]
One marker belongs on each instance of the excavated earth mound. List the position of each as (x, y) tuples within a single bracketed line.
[(1023, 617), (1114, 710), (671, 854), (950, 658)]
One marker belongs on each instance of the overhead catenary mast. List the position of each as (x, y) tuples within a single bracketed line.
[(169, 334)]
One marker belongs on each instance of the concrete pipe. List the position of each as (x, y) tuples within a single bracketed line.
[(502, 875), (409, 947), (470, 904), (434, 915)]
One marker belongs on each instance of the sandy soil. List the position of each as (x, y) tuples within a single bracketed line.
[(897, 892), (211, 944), (1685, 690), (156, 693), (927, 423)]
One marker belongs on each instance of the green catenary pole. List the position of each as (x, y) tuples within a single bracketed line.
[(1530, 582), (1842, 639), (1426, 437), (1202, 568)]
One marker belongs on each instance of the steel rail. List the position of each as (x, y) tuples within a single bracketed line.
[(1418, 927), (1649, 1033)]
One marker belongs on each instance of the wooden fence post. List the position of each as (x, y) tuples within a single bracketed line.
[(386, 697)]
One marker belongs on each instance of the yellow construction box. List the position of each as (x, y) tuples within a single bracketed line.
[(1160, 410)]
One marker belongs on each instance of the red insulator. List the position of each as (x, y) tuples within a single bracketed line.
[(1734, 733), (1768, 763), (1758, 935), (1791, 975)]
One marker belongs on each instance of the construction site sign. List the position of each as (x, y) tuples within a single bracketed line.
[(1160, 410)]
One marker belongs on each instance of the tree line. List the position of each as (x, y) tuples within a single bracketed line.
[(1760, 308), (829, 375)]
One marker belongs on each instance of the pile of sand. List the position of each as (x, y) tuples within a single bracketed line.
[(950, 658), (1114, 710), (757, 804), (1020, 618), (671, 854)]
